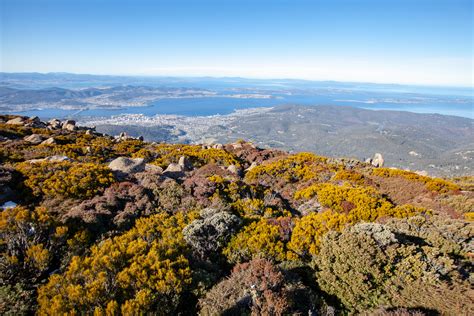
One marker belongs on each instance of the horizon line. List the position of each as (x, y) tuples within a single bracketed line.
[(138, 75)]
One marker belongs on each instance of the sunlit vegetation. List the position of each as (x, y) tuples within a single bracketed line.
[(299, 167), (432, 184), (165, 154), (351, 176), (142, 270), (293, 235), (346, 205), (73, 180), (261, 239)]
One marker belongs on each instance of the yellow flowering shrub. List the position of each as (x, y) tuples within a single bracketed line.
[(359, 203), (143, 270), (66, 179), (227, 189), (37, 256), (128, 147), (168, 153), (255, 208), (348, 205), (259, 239), (302, 166), (469, 216), (432, 184), (350, 175), (309, 230), (407, 210), (28, 242), (80, 181)]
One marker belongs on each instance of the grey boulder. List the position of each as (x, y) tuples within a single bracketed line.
[(127, 165)]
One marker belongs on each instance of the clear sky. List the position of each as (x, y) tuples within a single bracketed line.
[(397, 41)]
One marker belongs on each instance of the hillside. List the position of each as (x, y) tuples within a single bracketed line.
[(104, 225), (438, 144)]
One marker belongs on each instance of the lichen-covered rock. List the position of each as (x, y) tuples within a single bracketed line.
[(233, 169), (209, 235)]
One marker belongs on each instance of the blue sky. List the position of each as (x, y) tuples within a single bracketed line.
[(397, 41)]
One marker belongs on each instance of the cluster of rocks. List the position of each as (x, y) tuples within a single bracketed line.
[(125, 166), (53, 124), (69, 125), (350, 163), (215, 146), (37, 139), (26, 121), (123, 136), (56, 124)]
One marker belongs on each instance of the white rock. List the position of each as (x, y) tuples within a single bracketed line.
[(16, 121), (174, 167), (185, 163), (54, 124), (69, 125), (253, 165), (34, 139), (233, 169), (49, 141), (378, 160)]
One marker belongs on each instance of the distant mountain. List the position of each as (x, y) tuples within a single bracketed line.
[(17, 96), (71, 80), (57, 98)]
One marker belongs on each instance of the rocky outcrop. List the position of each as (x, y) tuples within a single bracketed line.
[(123, 136), (127, 165), (174, 171)]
